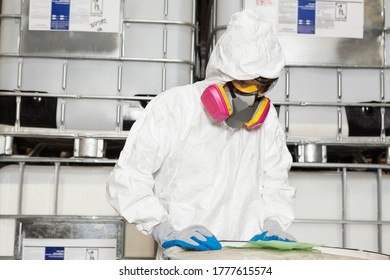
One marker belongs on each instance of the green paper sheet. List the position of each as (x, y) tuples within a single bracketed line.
[(274, 244)]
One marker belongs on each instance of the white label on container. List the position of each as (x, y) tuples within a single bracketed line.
[(75, 15), (319, 18), (68, 249)]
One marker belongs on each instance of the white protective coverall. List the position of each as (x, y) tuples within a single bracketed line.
[(181, 166)]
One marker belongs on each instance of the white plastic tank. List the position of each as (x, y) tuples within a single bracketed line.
[(164, 41), (311, 121), (81, 192), (320, 196), (75, 184), (317, 85)]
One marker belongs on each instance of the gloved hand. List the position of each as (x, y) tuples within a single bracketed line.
[(194, 237), (273, 231)]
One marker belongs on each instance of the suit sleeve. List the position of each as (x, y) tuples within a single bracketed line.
[(130, 187), (278, 195)]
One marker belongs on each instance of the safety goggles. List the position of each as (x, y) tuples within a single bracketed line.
[(259, 89)]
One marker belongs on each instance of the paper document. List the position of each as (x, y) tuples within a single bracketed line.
[(277, 245)]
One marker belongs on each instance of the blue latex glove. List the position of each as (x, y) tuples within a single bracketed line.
[(273, 231), (194, 237)]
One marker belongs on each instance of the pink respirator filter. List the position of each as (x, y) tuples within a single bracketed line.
[(215, 101)]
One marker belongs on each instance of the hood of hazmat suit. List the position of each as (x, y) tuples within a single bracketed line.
[(181, 166), (248, 49)]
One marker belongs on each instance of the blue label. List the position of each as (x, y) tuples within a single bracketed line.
[(60, 10), (54, 253), (306, 17)]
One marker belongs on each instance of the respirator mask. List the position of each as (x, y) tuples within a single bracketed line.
[(244, 104)]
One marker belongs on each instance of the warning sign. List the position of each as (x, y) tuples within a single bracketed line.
[(341, 11), (92, 254)]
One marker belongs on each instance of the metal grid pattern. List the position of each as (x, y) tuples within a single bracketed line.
[(165, 64)]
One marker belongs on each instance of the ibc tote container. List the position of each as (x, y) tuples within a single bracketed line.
[(82, 85), (331, 95), (153, 50)]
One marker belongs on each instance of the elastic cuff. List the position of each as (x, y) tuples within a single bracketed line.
[(161, 232)]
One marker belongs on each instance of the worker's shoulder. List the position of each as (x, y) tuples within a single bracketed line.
[(176, 96), (273, 111), (272, 119), (186, 92)]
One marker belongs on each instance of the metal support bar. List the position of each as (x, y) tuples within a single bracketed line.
[(109, 218), (291, 140), (20, 35), (379, 209), (382, 85), (120, 75), (64, 217), (62, 114), (340, 222), (382, 97), (343, 206), (27, 159), (56, 186), (20, 187), (193, 41), (339, 123), (165, 41), (20, 71), (133, 59), (64, 74), (164, 78), (213, 25), (74, 96), (17, 117), (339, 98), (118, 121), (287, 98), (166, 8), (383, 128), (139, 98), (331, 104), (16, 16), (19, 248), (341, 165), (339, 84)]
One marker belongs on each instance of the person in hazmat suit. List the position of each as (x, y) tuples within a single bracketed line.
[(208, 161)]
